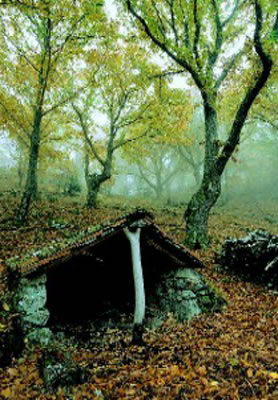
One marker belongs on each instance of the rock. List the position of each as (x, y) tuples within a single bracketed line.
[(188, 278), (189, 307), (38, 317), (59, 370), (31, 294), (31, 298), (42, 336), (186, 294), (253, 256)]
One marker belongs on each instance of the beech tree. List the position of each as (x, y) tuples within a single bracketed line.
[(43, 40), (192, 154), (157, 168), (156, 156), (120, 96), (203, 38)]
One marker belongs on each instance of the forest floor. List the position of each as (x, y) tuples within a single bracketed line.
[(227, 355)]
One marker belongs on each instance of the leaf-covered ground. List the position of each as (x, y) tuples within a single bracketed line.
[(228, 355)]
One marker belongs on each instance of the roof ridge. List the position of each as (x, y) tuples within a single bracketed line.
[(56, 246)]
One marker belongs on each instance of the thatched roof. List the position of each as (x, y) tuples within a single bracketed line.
[(85, 241)]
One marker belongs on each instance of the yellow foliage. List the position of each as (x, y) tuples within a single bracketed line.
[(7, 393)]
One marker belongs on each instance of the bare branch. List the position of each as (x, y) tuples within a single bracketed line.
[(181, 61), (145, 178), (231, 16), (170, 176), (124, 142), (227, 69), (162, 28), (186, 33), (121, 107), (219, 36), (187, 157), (262, 118), (251, 94), (168, 73), (20, 52), (85, 132), (67, 38), (133, 120), (275, 28), (197, 34), (172, 23), (64, 101)]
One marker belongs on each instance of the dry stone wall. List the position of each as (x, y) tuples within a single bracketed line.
[(31, 299)]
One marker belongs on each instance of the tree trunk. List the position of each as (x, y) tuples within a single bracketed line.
[(198, 209), (197, 174), (20, 169), (31, 185), (94, 183), (158, 190), (201, 203), (140, 302)]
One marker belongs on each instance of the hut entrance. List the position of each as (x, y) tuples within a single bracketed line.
[(92, 284), (90, 279), (98, 283)]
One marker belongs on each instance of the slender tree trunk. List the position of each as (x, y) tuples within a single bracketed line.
[(158, 186), (197, 174), (94, 183), (158, 190), (31, 185), (20, 169), (168, 189), (140, 301), (200, 205), (86, 165), (198, 210), (197, 213)]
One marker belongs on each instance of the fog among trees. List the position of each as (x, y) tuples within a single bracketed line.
[(91, 108), (138, 199)]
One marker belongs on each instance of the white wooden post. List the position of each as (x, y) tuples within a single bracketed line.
[(140, 301)]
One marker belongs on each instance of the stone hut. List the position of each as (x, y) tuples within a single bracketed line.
[(88, 275)]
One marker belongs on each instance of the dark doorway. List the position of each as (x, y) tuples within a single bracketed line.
[(99, 281), (91, 285)]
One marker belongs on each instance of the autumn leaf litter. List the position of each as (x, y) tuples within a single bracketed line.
[(227, 355)]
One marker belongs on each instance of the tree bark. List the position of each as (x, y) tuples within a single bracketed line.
[(198, 209), (94, 183), (158, 190), (31, 185), (20, 168), (197, 174), (140, 302)]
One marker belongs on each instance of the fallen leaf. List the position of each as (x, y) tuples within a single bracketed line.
[(273, 375), (6, 307), (2, 327), (7, 393), (202, 371), (12, 371)]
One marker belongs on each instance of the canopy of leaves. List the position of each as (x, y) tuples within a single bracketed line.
[(40, 45)]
